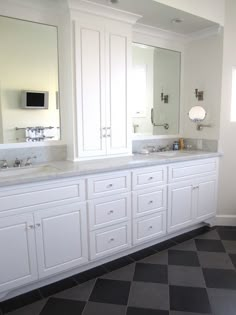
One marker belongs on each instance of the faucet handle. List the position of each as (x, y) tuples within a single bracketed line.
[(29, 160), (17, 163), (4, 164)]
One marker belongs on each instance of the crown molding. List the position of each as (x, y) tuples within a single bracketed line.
[(206, 32), (159, 33), (86, 6)]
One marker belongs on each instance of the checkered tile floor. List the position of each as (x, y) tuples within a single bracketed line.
[(193, 277)]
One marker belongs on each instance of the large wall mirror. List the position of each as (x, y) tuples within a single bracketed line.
[(29, 96), (156, 91)]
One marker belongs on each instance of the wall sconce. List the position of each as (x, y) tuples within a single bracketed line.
[(164, 98), (199, 95)]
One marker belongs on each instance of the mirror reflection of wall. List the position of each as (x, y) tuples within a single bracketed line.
[(156, 90), (28, 62)]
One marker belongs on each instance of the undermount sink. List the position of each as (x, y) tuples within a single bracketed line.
[(171, 153), (26, 171)]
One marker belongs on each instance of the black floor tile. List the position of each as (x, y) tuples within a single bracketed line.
[(225, 227), (188, 299), (20, 301), (145, 311), (90, 274), (182, 238), (209, 245), (183, 258), (110, 291), (93, 308), (233, 259), (220, 278), (63, 307), (57, 287), (151, 273), (227, 235), (118, 263), (164, 245), (142, 253)]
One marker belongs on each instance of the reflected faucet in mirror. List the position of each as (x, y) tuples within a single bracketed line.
[(165, 125)]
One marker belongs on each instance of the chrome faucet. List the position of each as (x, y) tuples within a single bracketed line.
[(17, 163), (4, 164), (29, 160)]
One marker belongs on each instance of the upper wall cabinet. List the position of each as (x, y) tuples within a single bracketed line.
[(102, 54)]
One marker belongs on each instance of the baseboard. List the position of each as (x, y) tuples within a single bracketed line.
[(226, 220)]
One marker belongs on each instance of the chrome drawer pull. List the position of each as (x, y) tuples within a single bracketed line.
[(38, 225), (150, 202), (110, 185), (150, 227), (150, 178), (111, 240), (30, 227), (110, 212)]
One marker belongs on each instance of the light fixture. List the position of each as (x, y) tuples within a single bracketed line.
[(164, 97), (199, 94), (177, 21)]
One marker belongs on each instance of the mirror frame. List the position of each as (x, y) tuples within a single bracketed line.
[(49, 17), (150, 36)]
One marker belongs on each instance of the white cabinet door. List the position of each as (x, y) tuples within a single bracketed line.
[(207, 199), (180, 206), (118, 54), (18, 265), (61, 238), (89, 40)]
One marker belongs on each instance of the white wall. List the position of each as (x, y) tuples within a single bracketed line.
[(28, 61), (227, 178), (209, 9), (203, 71)]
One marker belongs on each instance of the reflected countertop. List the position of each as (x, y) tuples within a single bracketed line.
[(67, 169)]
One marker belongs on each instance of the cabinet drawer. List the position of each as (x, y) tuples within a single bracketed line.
[(109, 184), (149, 227), (149, 201), (28, 195), (183, 171), (109, 210), (106, 241), (149, 176)]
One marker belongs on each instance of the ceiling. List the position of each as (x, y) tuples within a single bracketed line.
[(159, 15)]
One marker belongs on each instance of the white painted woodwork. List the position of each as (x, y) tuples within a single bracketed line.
[(18, 265), (90, 87), (207, 198), (111, 183), (106, 241), (149, 177), (118, 45), (180, 205), (61, 238), (35, 194), (102, 58), (150, 200), (105, 211), (184, 171), (149, 227)]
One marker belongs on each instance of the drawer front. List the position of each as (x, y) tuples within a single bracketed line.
[(109, 184), (149, 201), (149, 227), (109, 210), (184, 171), (40, 194), (149, 177), (106, 241)]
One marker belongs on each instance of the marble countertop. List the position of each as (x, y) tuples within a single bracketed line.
[(67, 169)]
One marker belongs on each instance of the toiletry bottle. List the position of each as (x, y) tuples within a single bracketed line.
[(176, 145), (181, 143)]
